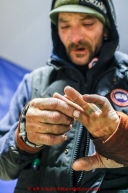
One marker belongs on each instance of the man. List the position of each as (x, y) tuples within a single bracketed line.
[(76, 140)]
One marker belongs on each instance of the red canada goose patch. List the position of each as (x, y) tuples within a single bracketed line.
[(119, 97)]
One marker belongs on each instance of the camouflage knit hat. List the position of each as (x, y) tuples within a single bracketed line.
[(93, 7)]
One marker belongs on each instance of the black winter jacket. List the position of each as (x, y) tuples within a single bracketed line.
[(55, 169)]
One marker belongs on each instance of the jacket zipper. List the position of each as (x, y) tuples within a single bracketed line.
[(86, 153), (76, 151), (75, 154)]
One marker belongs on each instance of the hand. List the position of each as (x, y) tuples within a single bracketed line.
[(47, 120), (98, 116)]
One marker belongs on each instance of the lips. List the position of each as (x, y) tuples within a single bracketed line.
[(81, 50)]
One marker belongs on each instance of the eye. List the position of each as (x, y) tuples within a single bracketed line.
[(64, 27), (88, 24)]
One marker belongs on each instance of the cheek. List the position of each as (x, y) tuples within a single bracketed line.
[(62, 37), (65, 37), (98, 39)]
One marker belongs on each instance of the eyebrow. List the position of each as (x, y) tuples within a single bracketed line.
[(62, 20), (87, 17), (83, 17)]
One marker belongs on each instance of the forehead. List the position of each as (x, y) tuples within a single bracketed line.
[(66, 15)]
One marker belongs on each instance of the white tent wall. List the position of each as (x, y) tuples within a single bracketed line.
[(25, 30)]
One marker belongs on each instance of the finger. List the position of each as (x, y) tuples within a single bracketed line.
[(47, 128), (94, 161), (100, 101), (53, 104), (51, 117), (47, 139), (87, 163), (67, 97), (77, 98), (78, 112), (80, 115), (67, 100)]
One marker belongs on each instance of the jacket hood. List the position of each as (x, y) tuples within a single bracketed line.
[(108, 47)]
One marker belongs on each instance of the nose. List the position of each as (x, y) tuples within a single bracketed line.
[(76, 35)]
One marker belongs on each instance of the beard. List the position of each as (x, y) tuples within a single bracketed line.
[(81, 45)]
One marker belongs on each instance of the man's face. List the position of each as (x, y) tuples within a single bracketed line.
[(82, 36)]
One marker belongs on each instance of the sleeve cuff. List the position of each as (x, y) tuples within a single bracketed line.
[(23, 146)]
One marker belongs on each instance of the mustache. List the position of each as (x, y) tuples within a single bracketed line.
[(80, 44)]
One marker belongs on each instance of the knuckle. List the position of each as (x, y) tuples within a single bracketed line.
[(56, 103), (34, 102), (56, 117), (53, 102)]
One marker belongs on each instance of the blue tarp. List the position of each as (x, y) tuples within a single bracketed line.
[(10, 77)]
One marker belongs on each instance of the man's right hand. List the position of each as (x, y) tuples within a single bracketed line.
[(47, 121)]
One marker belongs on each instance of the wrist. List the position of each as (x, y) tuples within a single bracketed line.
[(22, 129)]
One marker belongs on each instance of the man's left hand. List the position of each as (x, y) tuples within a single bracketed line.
[(101, 120), (96, 114)]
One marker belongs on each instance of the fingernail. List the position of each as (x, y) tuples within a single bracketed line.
[(76, 113)]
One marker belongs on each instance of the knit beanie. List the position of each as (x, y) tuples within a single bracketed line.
[(93, 7)]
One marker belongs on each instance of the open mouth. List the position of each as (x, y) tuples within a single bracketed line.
[(80, 50)]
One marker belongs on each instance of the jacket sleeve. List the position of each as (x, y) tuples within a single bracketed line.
[(116, 146), (12, 160)]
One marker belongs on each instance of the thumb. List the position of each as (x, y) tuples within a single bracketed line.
[(94, 161), (88, 163)]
